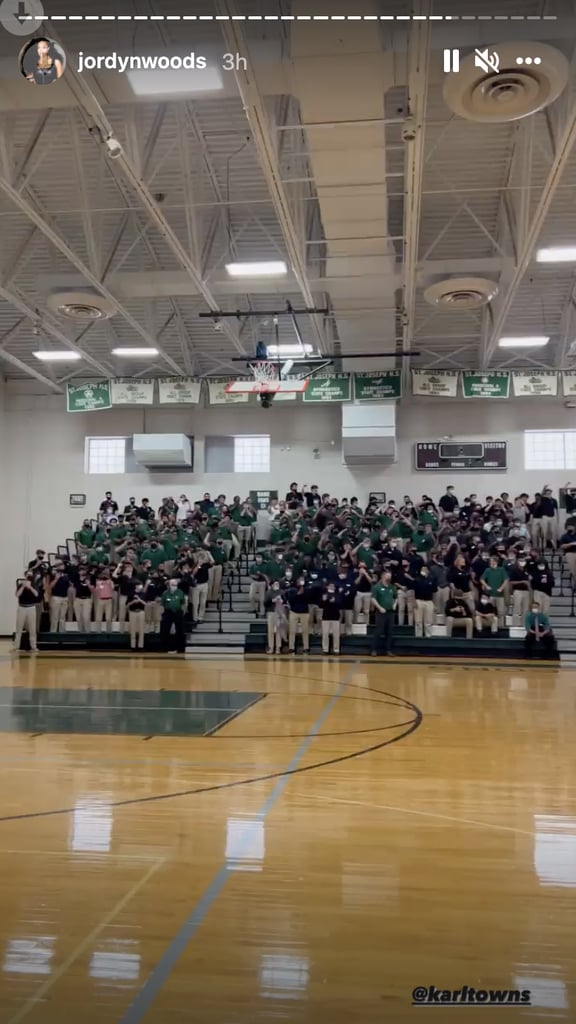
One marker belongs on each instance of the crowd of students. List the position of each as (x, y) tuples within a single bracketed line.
[(323, 566)]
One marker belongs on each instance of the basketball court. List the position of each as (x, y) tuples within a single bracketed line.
[(296, 841)]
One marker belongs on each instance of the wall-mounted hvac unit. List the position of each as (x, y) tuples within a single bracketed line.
[(369, 433), (162, 450)]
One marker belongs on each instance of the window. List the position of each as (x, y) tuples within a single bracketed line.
[(550, 449), (105, 455), (242, 453), (252, 454)]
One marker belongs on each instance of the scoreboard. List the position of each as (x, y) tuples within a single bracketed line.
[(454, 455)]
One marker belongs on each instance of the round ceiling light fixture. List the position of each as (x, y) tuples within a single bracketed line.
[(514, 91), (80, 305), (461, 293)]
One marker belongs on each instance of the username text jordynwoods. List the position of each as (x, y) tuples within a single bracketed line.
[(150, 62)]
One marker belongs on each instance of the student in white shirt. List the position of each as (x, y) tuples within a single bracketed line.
[(184, 509)]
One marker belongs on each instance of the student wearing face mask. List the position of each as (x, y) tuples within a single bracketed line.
[(439, 574), (543, 583), (346, 592), (363, 601), (384, 602), (276, 618), (539, 641), (136, 608), (153, 588), (458, 614), (448, 502), (486, 616), (405, 600), (173, 602), (258, 586), (424, 589), (549, 507), (103, 591), (568, 548), (298, 617), (519, 582), (493, 584), (83, 601), (27, 597), (200, 577), (330, 612)]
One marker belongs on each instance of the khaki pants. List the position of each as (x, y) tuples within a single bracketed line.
[(549, 530), (346, 621), (245, 536), (256, 597), (199, 598), (122, 601), (137, 626), (103, 610), (299, 622), (58, 610), (537, 532), (231, 547), (439, 601), (215, 582), (315, 618), (520, 603), (26, 621), (469, 600), (543, 600), (362, 605), (570, 558), (330, 629), (406, 607), (153, 616), (423, 618), (451, 622), (276, 634), (83, 613), (486, 620), (501, 605)]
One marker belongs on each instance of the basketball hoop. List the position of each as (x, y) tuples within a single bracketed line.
[(264, 372)]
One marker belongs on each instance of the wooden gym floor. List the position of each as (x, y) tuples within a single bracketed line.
[(283, 841)]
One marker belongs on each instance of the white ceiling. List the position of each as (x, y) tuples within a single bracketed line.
[(301, 159)]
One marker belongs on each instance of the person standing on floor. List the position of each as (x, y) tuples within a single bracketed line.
[(258, 586), (424, 589), (276, 618), (58, 594), (28, 597), (200, 577), (384, 602), (136, 608), (298, 603), (83, 601), (330, 622), (173, 602), (103, 591)]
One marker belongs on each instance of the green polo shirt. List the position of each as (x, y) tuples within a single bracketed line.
[(423, 541), (173, 600), (143, 531), (366, 555), (117, 533), (170, 549), (273, 570), (385, 596), (246, 520), (218, 554), (495, 578), (98, 558), (85, 537), (543, 621), (153, 555), (280, 534)]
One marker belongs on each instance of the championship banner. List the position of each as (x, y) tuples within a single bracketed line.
[(569, 383), (437, 383), (179, 391), (132, 392), (486, 385), (542, 383), (336, 387), (88, 397), (217, 395), (377, 385)]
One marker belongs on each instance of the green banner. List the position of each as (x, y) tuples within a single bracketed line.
[(495, 384), (377, 385), (88, 397), (336, 387)]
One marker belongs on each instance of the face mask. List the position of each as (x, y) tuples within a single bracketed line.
[(330, 591), (173, 584), (535, 611), (541, 567), (314, 576)]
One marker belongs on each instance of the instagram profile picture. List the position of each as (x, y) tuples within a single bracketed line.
[(42, 61)]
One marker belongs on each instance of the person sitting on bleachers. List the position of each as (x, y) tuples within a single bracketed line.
[(486, 616), (457, 613), (493, 583), (539, 640)]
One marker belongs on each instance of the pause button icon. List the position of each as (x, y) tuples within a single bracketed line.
[(451, 60)]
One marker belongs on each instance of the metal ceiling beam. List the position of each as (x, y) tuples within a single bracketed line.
[(257, 118), (30, 371), (565, 144), (123, 169), (418, 64)]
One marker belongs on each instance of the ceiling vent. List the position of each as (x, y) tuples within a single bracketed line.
[(516, 90), (81, 305), (461, 293)]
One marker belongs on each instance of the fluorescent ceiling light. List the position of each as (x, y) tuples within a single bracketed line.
[(529, 342), (269, 268), (557, 254), (174, 82), (136, 352), (57, 355), (292, 351)]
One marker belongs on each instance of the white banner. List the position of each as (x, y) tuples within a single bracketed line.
[(438, 383), (219, 396), (179, 391), (540, 383), (132, 392), (569, 383)]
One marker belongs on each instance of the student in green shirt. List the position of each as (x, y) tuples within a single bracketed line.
[(173, 602), (364, 553), (539, 639), (85, 537), (384, 601), (153, 554), (494, 582)]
